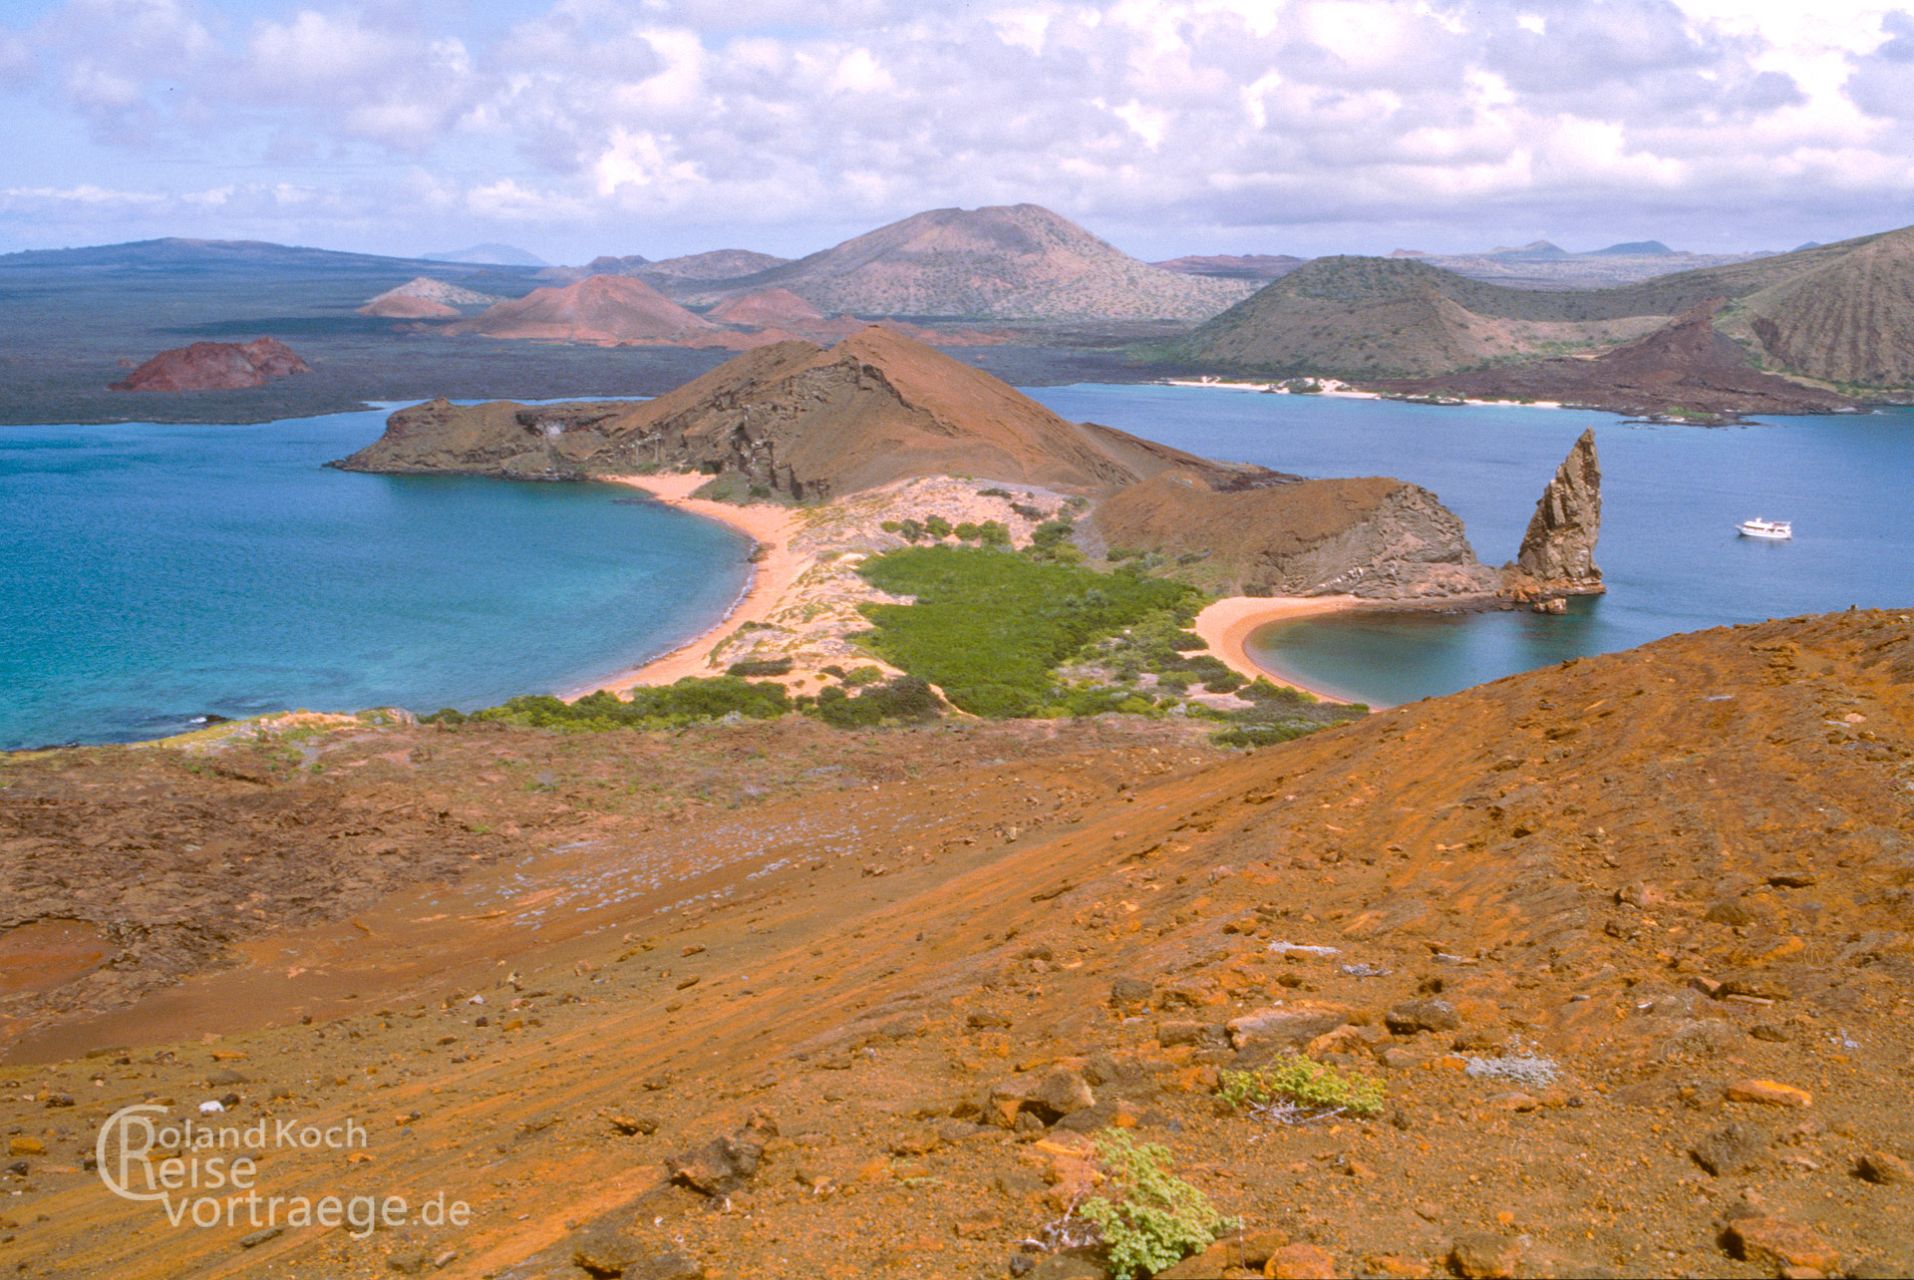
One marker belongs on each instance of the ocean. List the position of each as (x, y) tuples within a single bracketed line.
[(151, 575), (1671, 496)]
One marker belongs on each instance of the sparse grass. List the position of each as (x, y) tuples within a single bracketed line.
[(1313, 1087), (1159, 1219)]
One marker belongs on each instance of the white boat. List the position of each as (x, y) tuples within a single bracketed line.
[(1772, 530)]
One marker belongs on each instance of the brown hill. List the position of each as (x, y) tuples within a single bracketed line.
[(1839, 313), (715, 264), (1017, 262), (602, 310), (794, 418), (1626, 940), (1393, 317), (764, 308), (1685, 367), (1234, 266), (1372, 537), (215, 366), (1849, 320)]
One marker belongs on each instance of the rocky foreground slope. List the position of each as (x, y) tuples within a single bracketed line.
[(1627, 941)]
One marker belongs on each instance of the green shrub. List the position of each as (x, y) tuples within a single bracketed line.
[(689, 701), (937, 527), (993, 493), (1160, 1219), (1314, 1086), (905, 699), (988, 627), (760, 667), (866, 674)]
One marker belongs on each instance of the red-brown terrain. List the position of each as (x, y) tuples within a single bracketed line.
[(215, 366), (603, 310), (1629, 942)]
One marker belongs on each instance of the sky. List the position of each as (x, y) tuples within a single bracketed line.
[(573, 128)]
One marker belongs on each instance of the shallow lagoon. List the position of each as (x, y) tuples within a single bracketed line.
[(153, 574)]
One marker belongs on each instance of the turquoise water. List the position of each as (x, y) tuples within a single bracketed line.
[(1671, 499), (154, 574)]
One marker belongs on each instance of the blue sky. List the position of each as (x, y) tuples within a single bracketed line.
[(579, 127)]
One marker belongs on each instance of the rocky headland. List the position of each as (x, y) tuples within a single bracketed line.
[(215, 366)]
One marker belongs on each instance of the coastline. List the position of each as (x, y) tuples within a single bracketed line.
[(775, 567), (1227, 624), (1334, 389)]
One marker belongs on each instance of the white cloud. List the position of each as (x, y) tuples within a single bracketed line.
[(635, 116)]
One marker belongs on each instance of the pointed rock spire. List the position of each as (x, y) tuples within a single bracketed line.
[(1558, 551)]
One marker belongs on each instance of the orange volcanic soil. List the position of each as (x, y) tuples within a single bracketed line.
[(1628, 941)]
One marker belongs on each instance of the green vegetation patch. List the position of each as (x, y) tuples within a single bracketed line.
[(1158, 1219), (1307, 1084), (689, 701), (989, 626)]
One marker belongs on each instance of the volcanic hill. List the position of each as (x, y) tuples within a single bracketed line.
[(1627, 943), (1686, 367), (1015, 262), (603, 310), (424, 298), (796, 419), (215, 366), (1234, 266), (1839, 313)]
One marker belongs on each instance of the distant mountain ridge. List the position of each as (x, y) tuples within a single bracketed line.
[(499, 255), (1841, 313), (1014, 262)]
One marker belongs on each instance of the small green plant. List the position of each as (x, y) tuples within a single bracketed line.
[(1160, 1219), (760, 667), (1312, 1087)]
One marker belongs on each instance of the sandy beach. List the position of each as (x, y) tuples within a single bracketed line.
[(1227, 625), (772, 575)]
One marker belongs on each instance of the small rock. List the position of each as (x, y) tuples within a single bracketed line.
[(1131, 992), (1779, 1243), (1301, 1261), (1071, 1264), (1483, 1256), (1283, 1026), (1062, 1092), (724, 1164), (1412, 1016), (1729, 912), (26, 1147), (1883, 1169), (1729, 1149), (258, 1238), (1769, 1093), (634, 1124)]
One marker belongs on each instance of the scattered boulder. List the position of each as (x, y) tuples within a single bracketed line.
[(1729, 1149), (1780, 1244), (1283, 1026), (1883, 1169), (724, 1164), (1411, 1016), (1482, 1255), (1770, 1093)]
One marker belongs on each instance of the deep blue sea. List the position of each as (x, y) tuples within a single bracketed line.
[(1671, 499), (152, 574)]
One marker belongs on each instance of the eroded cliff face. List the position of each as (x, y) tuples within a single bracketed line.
[(1373, 537), (1557, 557)]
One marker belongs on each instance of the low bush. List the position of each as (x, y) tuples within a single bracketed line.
[(903, 700), (1310, 1085), (1159, 1219), (760, 667)]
